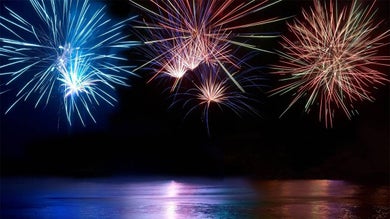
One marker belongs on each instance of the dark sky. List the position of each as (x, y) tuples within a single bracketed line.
[(140, 135)]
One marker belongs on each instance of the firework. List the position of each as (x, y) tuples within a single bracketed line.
[(331, 59), (213, 89), (66, 49), (202, 31), (168, 61), (82, 87)]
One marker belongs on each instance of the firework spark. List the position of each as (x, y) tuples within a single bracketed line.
[(330, 59), (203, 31), (64, 44)]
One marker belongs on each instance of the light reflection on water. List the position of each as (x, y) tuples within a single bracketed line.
[(190, 198)]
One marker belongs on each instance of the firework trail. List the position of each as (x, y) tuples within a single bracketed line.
[(201, 31), (331, 58), (65, 48)]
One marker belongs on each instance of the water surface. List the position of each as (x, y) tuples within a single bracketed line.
[(176, 198)]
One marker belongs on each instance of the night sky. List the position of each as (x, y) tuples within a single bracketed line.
[(141, 135)]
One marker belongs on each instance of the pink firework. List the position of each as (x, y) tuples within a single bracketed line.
[(202, 31), (331, 59), (171, 60), (213, 89)]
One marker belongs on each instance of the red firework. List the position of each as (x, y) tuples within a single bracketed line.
[(332, 59), (202, 31)]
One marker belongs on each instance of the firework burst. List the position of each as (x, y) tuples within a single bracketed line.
[(332, 57), (67, 44), (202, 31), (213, 89)]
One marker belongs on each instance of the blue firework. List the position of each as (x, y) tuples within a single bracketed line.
[(67, 50)]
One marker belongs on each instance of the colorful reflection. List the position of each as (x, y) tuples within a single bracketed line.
[(190, 198), (322, 199)]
